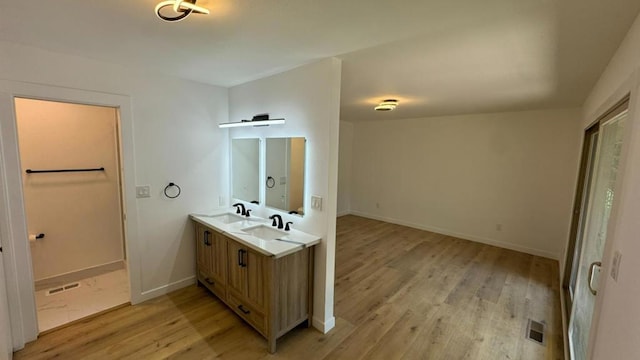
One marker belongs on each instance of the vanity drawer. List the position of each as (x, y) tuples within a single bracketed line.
[(214, 286), (248, 313)]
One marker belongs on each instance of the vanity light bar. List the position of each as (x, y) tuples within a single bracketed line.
[(251, 123)]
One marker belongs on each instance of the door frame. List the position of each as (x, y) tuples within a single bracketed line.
[(579, 203), (625, 93), (581, 192), (19, 273)]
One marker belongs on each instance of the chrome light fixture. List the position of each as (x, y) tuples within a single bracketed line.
[(387, 105), (180, 9)]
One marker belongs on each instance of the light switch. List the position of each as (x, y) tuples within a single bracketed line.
[(316, 202), (615, 266), (143, 191)]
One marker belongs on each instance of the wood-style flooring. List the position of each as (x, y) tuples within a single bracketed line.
[(400, 293)]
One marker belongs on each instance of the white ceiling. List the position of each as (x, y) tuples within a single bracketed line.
[(438, 57)]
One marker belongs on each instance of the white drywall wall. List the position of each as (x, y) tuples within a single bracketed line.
[(504, 179), (344, 167)]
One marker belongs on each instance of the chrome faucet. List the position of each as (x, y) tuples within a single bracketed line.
[(239, 206), (277, 223)]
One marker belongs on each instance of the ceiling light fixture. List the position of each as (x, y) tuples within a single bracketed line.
[(181, 9), (387, 105), (258, 120)]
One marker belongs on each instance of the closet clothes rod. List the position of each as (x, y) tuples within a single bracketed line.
[(29, 171)]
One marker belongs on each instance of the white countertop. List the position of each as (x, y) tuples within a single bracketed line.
[(291, 241)]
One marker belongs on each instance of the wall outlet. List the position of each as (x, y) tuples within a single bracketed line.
[(615, 265), (220, 200), (316, 202), (143, 191)]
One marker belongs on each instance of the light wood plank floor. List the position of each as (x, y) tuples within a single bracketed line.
[(401, 293)]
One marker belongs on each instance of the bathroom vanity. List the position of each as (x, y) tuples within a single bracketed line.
[(263, 274)]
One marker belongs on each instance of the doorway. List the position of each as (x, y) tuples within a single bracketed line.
[(72, 192), (594, 202)]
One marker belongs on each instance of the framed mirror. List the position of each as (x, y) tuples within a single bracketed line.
[(285, 170), (245, 170)]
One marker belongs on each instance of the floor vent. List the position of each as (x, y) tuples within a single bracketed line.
[(63, 288), (535, 331), (55, 290), (71, 286)]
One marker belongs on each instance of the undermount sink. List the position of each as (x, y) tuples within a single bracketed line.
[(227, 218), (264, 232)]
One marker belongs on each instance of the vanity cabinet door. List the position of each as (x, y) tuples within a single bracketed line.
[(211, 258), (256, 267), (218, 258), (236, 279), (203, 239), (247, 276)]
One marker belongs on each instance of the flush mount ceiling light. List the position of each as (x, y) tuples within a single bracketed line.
[(258, 120), (387, 105), (176, 10)]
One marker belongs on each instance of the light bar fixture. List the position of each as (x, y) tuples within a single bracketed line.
[(387, 105), (181, 9), (258, 120)]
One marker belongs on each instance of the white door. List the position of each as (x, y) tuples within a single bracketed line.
[(601, 195), (5, 327)]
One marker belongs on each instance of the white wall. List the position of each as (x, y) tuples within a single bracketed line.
[(176, 138), (308, 98), (617, 330), (344, 167), (468, 175)]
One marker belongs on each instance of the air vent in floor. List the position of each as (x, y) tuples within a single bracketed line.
[(535, 331), (59, 289)]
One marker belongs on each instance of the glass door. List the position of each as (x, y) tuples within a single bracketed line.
[(594, 230)]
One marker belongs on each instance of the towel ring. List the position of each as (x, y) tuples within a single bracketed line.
[(271, 182), (170, 186)]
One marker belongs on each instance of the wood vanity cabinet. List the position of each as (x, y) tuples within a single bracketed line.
[(273, 295)]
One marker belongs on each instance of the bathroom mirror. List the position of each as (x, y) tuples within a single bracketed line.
[(245, 169), (284, 178)]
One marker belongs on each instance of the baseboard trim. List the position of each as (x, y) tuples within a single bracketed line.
[(492, 242), (324, 326), (343, 213), (164, 289), (79, 275)]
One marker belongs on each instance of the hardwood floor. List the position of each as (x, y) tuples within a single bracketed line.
[(401, 293)]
